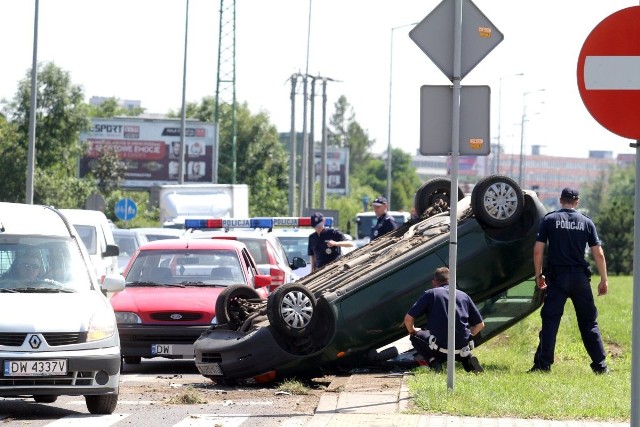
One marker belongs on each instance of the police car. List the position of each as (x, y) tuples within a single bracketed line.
[(258, 234)]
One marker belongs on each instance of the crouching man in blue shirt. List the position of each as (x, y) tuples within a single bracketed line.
[(431, 341)]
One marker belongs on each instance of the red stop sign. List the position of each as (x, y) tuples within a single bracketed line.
[(609, 72)]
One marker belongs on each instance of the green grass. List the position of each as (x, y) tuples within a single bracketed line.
[(570, 391)]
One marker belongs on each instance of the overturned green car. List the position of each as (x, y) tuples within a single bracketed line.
[(335, 318)]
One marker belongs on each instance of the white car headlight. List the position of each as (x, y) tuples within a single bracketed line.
[(102, 326), (127, 317)]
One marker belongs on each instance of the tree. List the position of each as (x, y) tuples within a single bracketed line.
[(111, 107), (615, 219), (60, 117), (345, 131), (109, 171), (261, 162)]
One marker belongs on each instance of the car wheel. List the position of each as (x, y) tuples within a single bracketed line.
[(231, 306), (45, 399), (291, 310), (132, 360), (497, 201), (103, 404), (433, 191)]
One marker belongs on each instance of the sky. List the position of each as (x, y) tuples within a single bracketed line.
[(134, 50)]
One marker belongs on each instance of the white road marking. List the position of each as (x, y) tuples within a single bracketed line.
[(85, 420), (612, 73), (207, 420)]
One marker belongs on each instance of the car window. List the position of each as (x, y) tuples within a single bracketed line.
[(42, 262), (127, 244), (279, 252), (295, 246), (257, 249), (89, 237), (219, 267)]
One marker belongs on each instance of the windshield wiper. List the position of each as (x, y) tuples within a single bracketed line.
[(151, 284), (42, 290)]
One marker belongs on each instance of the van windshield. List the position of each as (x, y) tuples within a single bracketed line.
[(89, 237), (37, 263)]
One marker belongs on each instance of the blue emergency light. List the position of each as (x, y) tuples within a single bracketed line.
[(259, 222)]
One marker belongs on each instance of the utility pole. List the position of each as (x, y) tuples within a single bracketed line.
[(292, 149), (312, 146), (226, 82)]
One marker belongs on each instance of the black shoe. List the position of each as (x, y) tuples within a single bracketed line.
[(475, 365), (435, 365), (601, 371), (537, 368)]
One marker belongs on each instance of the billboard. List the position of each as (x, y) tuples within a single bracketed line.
[(150, 149), (337, 169)]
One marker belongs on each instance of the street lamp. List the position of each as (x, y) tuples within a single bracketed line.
[(500, 117), (389, 123), (524, 116)]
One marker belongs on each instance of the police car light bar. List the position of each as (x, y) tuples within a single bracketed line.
[(261, 222)]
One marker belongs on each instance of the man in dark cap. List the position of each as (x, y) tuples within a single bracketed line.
[(386, 222), (431, 342), (324, 243), (568, 275)]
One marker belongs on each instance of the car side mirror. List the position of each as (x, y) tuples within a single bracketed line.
[(112, 250), (298, 262)]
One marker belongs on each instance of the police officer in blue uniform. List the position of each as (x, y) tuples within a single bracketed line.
[(324, 243), (567, 275), (431, 341), (386, 222)]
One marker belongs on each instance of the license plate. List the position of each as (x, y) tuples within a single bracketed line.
[(34, 368), (184, 350), (210, 369)]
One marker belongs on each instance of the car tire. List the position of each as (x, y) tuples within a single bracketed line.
[(497, 201), (132, 360), (432, 191), (229, 305), (291, 310), (102, 404), (45, 399)]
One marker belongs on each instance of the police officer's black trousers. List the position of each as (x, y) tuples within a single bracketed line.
[(574, 286)]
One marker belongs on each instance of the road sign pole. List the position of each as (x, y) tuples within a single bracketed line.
[(453, 194), (635, 323)]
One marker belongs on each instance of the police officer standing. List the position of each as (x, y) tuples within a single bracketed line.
[(567, 275), (431, 342), (324, 243), (386, 222)]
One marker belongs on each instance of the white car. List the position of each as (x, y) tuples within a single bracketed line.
[(58, 334), (160, 233), (97, 236)]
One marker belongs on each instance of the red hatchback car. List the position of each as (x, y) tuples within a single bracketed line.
[(172, 290)]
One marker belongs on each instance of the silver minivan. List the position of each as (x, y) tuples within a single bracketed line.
[(59, 334)]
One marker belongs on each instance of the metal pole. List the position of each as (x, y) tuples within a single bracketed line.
[(389, 149), (521, 177), (500, 120), (183, 120), (31, 159), (312, 146), (635, 322), (323, 157), (453, 195), (292, 148), (305, 148)]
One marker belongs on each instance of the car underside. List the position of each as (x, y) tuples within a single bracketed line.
[(335, 318)]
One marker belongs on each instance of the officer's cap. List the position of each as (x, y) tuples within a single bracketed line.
[(569, 193), (380, 201), (316, 219)]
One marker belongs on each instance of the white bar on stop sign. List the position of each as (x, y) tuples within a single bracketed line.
[(612, 73)]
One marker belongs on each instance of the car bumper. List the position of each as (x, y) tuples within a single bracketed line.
[(225, 354), (89, 372), (173, 342)]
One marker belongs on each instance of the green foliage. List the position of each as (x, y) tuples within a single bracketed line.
[(570, 391), (61, 115), (57, 189), (111, 108), (345, 131), (261, 161), (610, 204), (109, 171), (147, 216)]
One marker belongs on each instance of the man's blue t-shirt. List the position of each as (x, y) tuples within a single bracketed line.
[(434, 303)]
